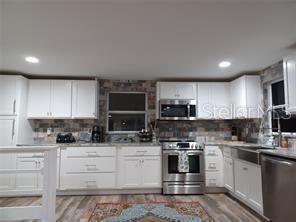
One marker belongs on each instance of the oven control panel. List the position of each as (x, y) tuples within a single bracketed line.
[(183, 145)]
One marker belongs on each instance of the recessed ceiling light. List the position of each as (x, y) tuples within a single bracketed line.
[(32, 59), (224, 64)]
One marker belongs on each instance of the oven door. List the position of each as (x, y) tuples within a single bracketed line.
[(170, 166), (177, 109)]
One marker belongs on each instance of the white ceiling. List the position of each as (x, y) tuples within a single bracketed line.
[(145, 39)]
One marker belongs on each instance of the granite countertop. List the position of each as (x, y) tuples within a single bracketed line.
[(61, 145), (235, 144), (286, 153), (263, 149)]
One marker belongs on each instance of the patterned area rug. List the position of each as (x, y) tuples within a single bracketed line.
[(150, 212)]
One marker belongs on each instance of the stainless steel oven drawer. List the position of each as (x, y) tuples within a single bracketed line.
[(183, 188)]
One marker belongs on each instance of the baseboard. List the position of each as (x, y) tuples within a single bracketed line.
[(73, 192), (216, 190), (253, 210), (110, 192)]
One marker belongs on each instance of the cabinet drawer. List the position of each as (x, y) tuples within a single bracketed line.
[(89, 152), (88, 165), (214, 179), (141, 151), (213, 164), (212, 151), (88, 181), (30, 155)]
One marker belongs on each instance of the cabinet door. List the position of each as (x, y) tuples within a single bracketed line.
[(220, 98), (7, 95), (290, 83), (7, 131), (228, 174), (149, 165), (130, 172), (253, 98), (238, 97), (27, 181), (205, 105), (60, 105), (7, 162), (167, 90), (84, 99), (241, 181), (255, 186), (39, 99), (186, 90)]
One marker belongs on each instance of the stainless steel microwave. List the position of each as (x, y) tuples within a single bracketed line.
[(177, 109)]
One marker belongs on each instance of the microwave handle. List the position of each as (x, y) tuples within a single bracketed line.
[(188, 110)]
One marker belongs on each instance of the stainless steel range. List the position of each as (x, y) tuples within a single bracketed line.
[(190, 182)]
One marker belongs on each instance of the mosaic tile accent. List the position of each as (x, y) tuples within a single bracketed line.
[(208, 130)]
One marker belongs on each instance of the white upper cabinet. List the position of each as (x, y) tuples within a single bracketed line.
[(246, 97), (213, 100), (49, 99), (39, 99), (60, 99), (84, 95), (290, 83), (176, 90), (7, 95)]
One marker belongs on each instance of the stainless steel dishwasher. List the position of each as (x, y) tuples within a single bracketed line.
[(279, 188)]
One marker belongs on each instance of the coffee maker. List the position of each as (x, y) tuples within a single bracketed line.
[(95, 135)]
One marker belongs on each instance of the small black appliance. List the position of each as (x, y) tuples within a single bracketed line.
[(65, 138), (95, 135)]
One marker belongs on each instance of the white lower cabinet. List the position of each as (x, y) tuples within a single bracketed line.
[(31, 181), (248, 184), (27, 181), (228, 173), (130, 172), (213, 166), (88, 168), (7, 181), (139, 167)]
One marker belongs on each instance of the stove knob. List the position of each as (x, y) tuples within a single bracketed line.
[(196, 147)]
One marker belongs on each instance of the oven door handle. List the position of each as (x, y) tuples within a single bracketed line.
[(190, 152), (195, 154)]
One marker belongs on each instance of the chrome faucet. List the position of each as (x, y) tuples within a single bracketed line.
[(262, 126)]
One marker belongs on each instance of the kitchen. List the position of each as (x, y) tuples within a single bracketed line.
[(221, 144)]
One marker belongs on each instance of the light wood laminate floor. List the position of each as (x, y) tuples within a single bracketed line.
[(221, 207)]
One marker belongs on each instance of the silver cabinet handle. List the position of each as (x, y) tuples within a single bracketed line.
[(14, 106), (142, 151), (90, 181), (245, 168), (13, 126), (91, 167), (38, 156), (92, 153)]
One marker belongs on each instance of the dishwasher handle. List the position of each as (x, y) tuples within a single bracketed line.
[(277, 160)]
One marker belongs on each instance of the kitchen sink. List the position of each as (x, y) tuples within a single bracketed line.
[(248, 153)]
